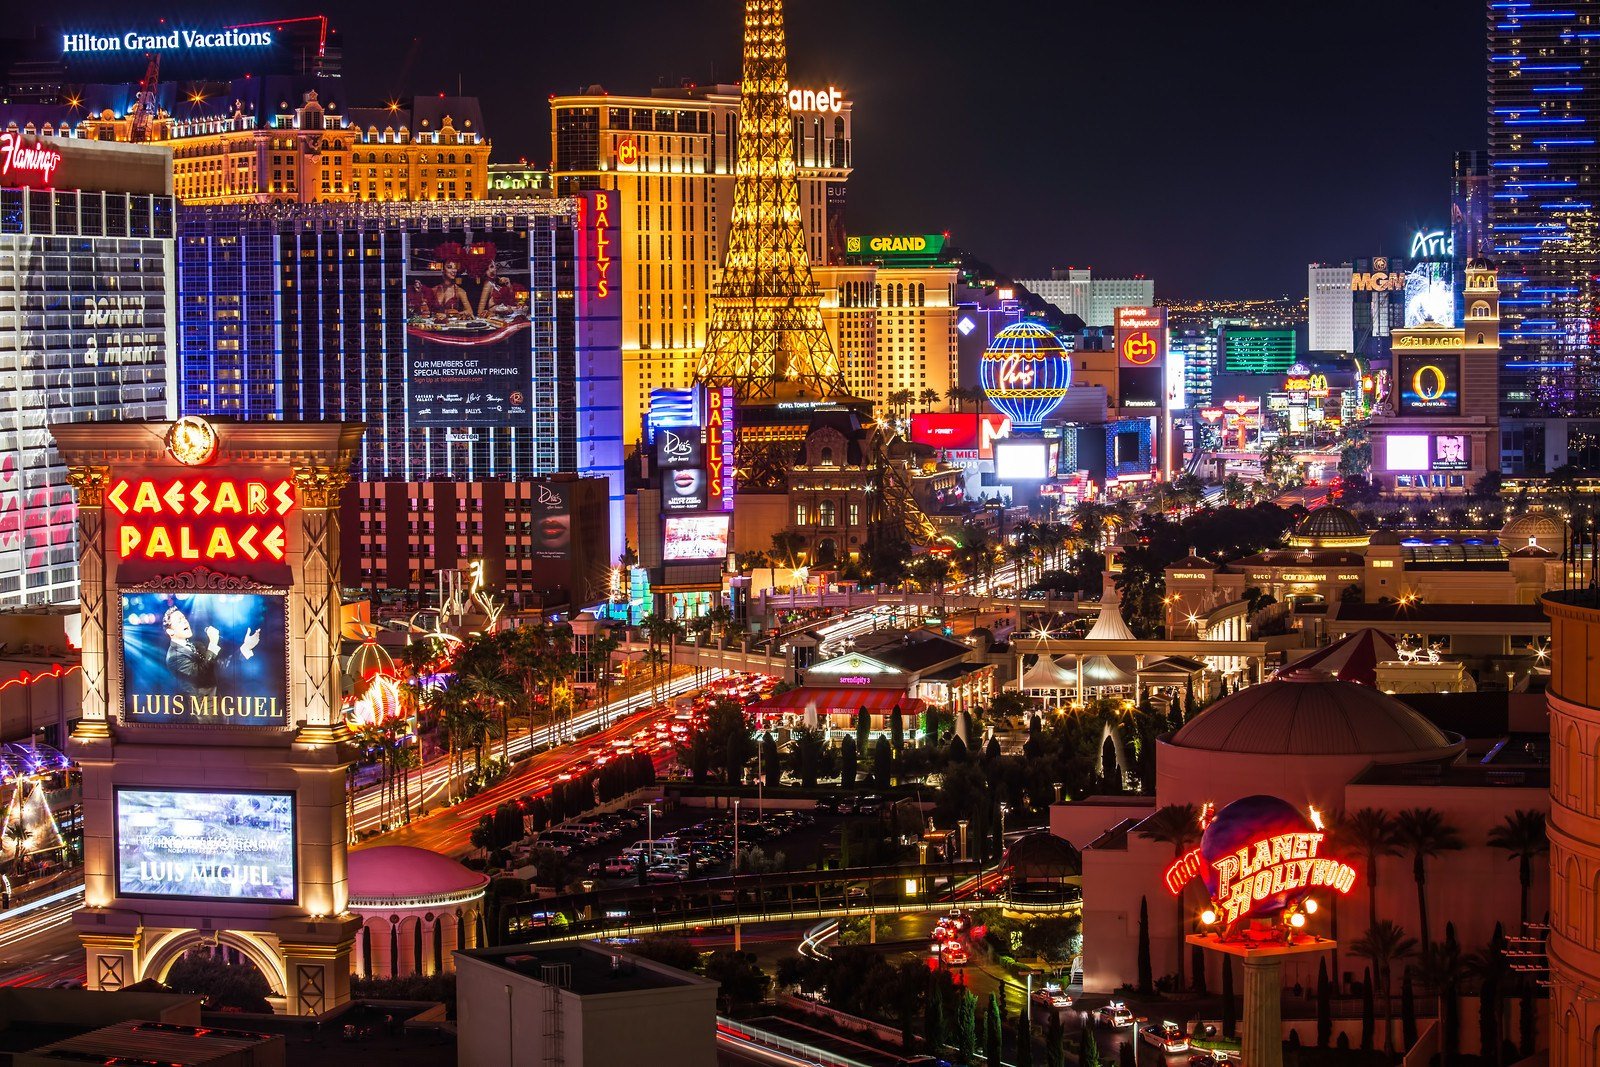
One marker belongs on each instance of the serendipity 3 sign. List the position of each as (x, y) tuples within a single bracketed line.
[(1260, 857)]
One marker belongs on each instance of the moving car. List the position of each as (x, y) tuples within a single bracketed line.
[(1166, 1036), (1052, 996), (1115, 1014), (955, 953)]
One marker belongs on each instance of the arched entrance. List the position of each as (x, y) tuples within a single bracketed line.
[(167, 949)]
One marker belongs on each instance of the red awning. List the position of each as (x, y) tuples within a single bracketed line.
[(841, 701)]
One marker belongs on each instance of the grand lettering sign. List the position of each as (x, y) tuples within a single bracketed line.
[(164, 41), (1260, 857), (1448, 339)]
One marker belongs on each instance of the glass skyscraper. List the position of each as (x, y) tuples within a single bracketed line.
[(1544, 174)]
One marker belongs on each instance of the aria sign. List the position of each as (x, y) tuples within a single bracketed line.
[(1432, 244), (22, 163), (1260, 857)]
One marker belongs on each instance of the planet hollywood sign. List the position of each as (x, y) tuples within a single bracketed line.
[(1260, 857)]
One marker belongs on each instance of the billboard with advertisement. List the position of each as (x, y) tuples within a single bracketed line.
[(1430, 294), (1024, 460), (469, 353), (1451, 452), (683, 490), (680, 449), (552, 521), (1429, 384), (1406, 452), (695, 538), (214, 659), (960, 433), (205, 845)]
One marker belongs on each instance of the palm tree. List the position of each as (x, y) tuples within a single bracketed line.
[(1384, 944), (1523, 836), (1179, 826), (957, 395), (602, 646), (1441, 967), (1370, 832), (1424, 833), (927, 398), (17, 834)]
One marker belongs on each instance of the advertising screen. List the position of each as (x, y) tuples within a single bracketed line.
[(1451, 452), (207, 845), (467, 332), (960, 433), (552, 521), (680, 449), (1127, 448), (1141, 387), (690, 538), (1406, 452), (1430, 384), (683, 490), (1021, 461), (1430, 295), (216, 659)]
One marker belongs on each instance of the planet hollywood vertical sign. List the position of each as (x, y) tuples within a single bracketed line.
[(1260, 858)]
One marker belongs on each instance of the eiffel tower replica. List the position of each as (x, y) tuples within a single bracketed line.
[(766, 338)]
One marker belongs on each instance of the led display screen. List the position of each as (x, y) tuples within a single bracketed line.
[(680, 449), (467, 331), (1430, 294), (1451, 452), (1021, 461), (1406, 452), (687, 538), (683, 490), (206, 845), (215, 659), (1128, 450), (1430, 384)]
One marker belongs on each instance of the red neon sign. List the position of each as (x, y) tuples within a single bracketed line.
[(23, 159), (602, 242), (215, 519), (714, 431)]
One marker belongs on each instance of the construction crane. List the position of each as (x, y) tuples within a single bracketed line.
[(144, 104)]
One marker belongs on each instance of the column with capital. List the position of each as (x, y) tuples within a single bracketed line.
[(89, 483), (318, 488)]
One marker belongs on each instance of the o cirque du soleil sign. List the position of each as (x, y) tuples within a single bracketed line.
[(1260, 857)]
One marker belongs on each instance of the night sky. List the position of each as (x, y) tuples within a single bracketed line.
[(1215, 147)]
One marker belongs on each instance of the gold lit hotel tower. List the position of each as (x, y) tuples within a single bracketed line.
[(766, 338)]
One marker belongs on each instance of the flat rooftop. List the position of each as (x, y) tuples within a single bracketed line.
[(585, 968), (151, 1042)]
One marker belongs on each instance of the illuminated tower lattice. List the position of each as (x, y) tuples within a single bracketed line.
[(766, 334)]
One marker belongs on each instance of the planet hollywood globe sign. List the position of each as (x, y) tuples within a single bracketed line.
[(1261, 859), (1025, 372)]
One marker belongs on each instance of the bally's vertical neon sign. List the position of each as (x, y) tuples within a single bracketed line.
[(602, 245)]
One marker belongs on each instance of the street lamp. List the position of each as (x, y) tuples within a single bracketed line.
[(650, 828), (735, 835)]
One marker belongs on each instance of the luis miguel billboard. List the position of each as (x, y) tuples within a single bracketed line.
[(205, 658)]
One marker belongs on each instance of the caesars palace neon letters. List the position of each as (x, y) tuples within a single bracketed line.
[(829, 100), (20, 158), (1262, 870), (214, 519)]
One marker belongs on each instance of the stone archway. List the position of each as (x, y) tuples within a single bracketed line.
[(167, 949)]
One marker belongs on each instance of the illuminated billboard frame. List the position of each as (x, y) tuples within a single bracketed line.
[(186, 664), (289, 803), (1429, 384), (1407, 453), (690, 538)]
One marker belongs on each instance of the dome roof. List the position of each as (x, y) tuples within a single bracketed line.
[(1536, 527), (1025, 336), (1385, 537), (1041, 855), (1329, 526), (1311, 713), (392, 873)]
